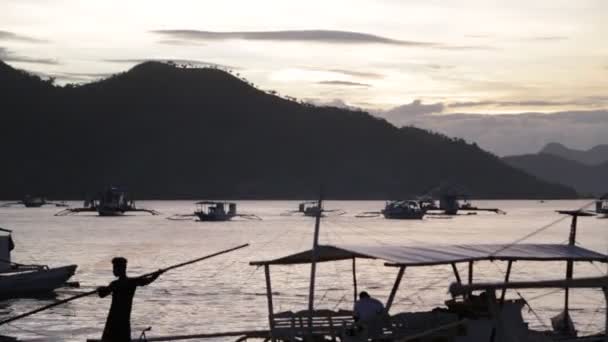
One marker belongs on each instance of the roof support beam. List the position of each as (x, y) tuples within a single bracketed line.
[(354, 280), (456, 274), (391, 297), (269, 298), (507, 275)]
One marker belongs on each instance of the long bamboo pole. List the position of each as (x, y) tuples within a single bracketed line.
[(85, 294), (313, 265)]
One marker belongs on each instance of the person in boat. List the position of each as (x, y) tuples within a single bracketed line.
[(118, 323), (368, 314)]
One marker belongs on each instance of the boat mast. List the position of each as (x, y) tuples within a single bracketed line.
[(313, 263)]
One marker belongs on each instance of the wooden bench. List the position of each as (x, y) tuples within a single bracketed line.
[(291, 326)]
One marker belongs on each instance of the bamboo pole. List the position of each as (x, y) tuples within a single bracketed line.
[(313, 266), (85, 294)]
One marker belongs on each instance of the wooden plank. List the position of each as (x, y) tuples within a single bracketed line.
[(248, 333)]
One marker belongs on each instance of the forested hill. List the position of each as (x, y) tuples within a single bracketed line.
[(589, 180), (168, 132)]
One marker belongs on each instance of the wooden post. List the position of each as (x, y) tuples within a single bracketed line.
[(391, 297), (569, 269), (504, 291), (354, 281), (313, 265), (470, 276), (456, 274), (269, 298), (605, 289)]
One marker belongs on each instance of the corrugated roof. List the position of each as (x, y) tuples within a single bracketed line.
[(442, 254)]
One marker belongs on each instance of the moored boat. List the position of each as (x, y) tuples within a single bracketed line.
[(215, 211), (403, 210), (114, 201), (19, 280)]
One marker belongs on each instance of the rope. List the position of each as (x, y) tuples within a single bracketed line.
[(541, 229)]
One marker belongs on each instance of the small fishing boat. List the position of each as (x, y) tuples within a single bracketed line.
[(397, 210), (114, 201), (215, 211), (452, 199), (403, 210), (19, 280), (34, 202), (311, 209)]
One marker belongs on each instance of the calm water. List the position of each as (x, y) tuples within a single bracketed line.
[(225, 293)]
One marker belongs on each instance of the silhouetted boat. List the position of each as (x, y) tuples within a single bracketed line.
[(403, 210), (309, 208), (215, 211), (209, 211), (19, 280), (112, 202), (35, 202)]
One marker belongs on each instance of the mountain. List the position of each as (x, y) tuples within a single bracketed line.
[(586, 179), (169, 132), (594, 156)]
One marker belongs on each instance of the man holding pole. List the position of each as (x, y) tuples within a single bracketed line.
[(118, 324)]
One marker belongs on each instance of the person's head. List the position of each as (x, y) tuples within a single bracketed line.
[(119, 266), (363, 295)]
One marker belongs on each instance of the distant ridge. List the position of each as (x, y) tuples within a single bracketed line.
[(594, 156), (169, 132), (586, 179)]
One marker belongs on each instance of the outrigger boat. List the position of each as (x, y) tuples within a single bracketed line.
[(214, 211), (464, 318), (112, 202), (311, 209), (399, 210), (450, 197), (19, 280), (34, 202)]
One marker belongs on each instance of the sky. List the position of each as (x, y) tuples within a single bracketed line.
[(468, 56)]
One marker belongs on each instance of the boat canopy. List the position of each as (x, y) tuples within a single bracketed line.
[(402, 255), (212, 202)]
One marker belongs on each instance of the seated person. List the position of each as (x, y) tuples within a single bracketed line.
[(368, 314)]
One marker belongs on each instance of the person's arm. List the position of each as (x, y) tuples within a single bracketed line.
[(104, 291), (143, 281)]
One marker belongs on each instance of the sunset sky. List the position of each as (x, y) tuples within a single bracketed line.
[(472, 56)]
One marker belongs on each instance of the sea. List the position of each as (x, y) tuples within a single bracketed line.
[(225, 293)]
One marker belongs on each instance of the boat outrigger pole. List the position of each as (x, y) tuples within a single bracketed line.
[(85, 294), (313, 264)]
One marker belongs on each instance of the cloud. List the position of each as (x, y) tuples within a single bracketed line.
[(416, 108), (6, 35), (362, 74), (510, 134), (79, 76), (331, 103), (345, 83), (192, 62), (466, 47), (319, 36), (586, 101), (179, 42), (9, 56), (548, 38)]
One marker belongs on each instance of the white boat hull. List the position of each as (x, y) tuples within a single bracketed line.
[(35, 282)]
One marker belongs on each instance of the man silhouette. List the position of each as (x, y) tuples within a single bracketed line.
[(118, 324)]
